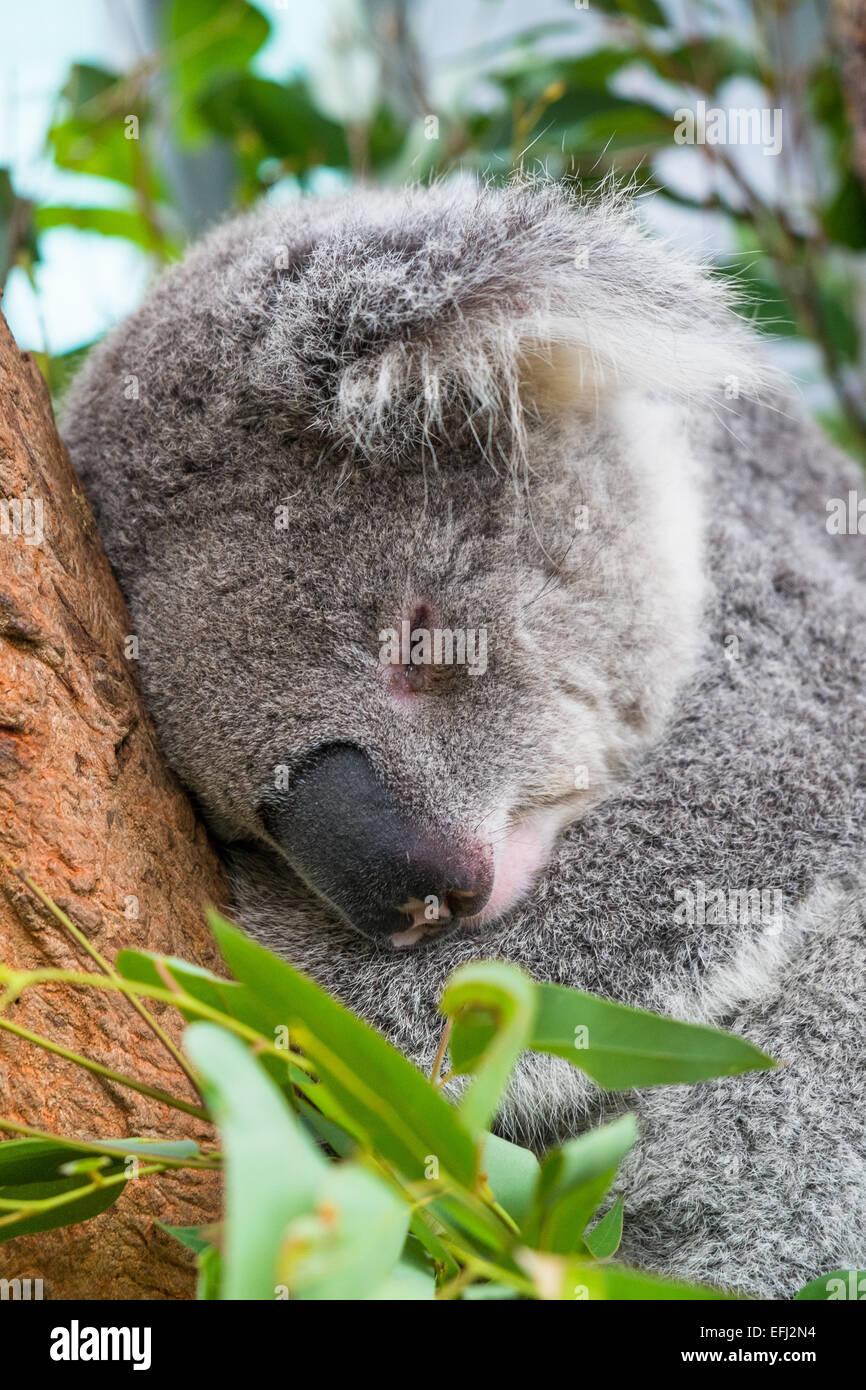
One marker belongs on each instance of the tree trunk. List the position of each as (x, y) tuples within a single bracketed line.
[(90, 811)]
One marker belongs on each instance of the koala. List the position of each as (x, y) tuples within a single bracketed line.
[(490, 604)]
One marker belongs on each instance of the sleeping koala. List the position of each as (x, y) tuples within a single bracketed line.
[(488, 605)]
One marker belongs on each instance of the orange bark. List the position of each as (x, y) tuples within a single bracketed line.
[(89, 809)]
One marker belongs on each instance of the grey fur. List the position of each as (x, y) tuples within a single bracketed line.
[(397, 370)]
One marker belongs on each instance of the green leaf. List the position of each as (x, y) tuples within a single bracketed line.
[(621, 1047), (844, 219), (59, 369), (75, 1209), (574, 1180), (562, 1279), (484, 1292), (41, 1170), (627, 126), (405, 1284), (90, 135), (283, 118), (352, 1243), (616, 1282), (404, 1118), (646, 11), (501, 998), (704, 63), (604, 1239), (840, 1285), (207, 40), (272, 1167), (37, 1160), (226, 996), (512, 1175), (195, 1238), (117, 222), (209, 1275), (85, 83), (18, 242)]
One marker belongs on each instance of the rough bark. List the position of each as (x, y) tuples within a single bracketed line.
[(89, 809)]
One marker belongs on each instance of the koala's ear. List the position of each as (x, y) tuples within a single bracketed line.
[(441, 312), (636, 318)]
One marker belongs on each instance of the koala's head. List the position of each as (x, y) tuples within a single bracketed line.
[(399, 492)]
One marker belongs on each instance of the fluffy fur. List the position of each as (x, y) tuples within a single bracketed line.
[(516, 408)]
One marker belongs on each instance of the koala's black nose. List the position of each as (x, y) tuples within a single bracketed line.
[(343, 832)]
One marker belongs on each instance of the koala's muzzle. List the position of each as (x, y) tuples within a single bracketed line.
[(345, 835)]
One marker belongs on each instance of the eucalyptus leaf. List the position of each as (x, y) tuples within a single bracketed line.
[(273, 1169), (402, 1115)]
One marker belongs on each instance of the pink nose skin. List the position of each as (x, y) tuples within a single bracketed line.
[(518, 860)]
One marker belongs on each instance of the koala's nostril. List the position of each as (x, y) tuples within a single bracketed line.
[(435, 908), (465, 902)]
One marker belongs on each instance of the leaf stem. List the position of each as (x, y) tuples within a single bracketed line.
[(99, 1070)]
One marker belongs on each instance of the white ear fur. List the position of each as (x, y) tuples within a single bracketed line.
[(581, 361)]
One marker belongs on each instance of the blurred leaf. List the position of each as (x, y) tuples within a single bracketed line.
[(574, 1181), (24, 1161), (761, 299), (497, 1001), (842, 1285), (620, 1047), (58, 370), (386, 138), (322, 1128), (626, 126), (613, 1282), (195, 1238), (32, 1170), (87, 82), (836, 298), (92, 136), (107, 221), (272, 1167), (512, 1175), (405, 1284), (604, 1238), (76, 1209), (208, 40), (209, 1275), (705, 63), (353, 1241), (827, 100), (838, 428), (405, 1118), (574, 87), (647, 11), (844, 219), (282, 118), (226, 996)]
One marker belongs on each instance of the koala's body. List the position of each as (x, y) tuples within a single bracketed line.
[(508, 411)]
